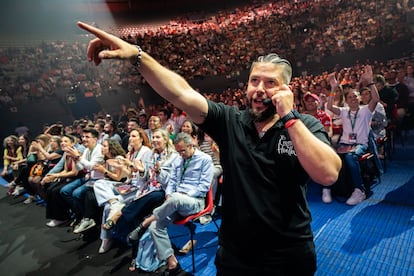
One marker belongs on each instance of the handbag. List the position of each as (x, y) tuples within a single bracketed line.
[(37, 169)]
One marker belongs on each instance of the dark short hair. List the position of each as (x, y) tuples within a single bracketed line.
[(71, 137), (134, 119), (92, 131)]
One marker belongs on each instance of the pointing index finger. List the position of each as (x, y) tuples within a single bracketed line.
[(95, 31)]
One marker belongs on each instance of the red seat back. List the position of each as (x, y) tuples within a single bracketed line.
[(207, 209)]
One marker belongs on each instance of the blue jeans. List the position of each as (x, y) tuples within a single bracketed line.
[(351, 159), (134, 213), (74, 188)]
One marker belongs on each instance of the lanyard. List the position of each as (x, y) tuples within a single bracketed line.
[(134, 154), (186, 163), (355, 118), (157, 157), (89, 156)]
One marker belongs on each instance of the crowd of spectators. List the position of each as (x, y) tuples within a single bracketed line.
[(304, 31), (116, 129), (210, 45), (59, 65), (397, 74)]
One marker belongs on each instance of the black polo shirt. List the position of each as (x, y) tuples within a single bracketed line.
[(264, 187)]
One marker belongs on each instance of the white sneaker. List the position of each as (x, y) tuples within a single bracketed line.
[(29, 200), (85, 224), (55, 223), (18, 191), (10, 184), (326, 195), (188, 246), (105, 246), (206, 219), (114, 208), (357, 197)]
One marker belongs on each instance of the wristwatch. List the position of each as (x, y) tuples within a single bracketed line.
[(293, 114)]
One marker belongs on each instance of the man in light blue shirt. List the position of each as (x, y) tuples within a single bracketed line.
[(185, 194), (194, 174)]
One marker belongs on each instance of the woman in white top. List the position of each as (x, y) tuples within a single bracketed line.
[(154, 171), (112, 198), (106, 191)]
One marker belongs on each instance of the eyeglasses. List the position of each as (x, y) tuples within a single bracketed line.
[(183, 150)]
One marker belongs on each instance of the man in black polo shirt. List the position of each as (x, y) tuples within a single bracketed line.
[(268, 152)]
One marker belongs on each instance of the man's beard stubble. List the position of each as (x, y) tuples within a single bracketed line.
[(262, 116)]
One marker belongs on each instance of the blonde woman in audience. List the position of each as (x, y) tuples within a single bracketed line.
[(153, 173)]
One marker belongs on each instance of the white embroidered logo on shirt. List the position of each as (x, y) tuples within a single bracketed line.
[(285, 147)]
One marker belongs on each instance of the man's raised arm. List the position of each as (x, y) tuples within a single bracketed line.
[(165, 82)]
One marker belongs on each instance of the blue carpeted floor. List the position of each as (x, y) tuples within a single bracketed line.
[(375, 237)]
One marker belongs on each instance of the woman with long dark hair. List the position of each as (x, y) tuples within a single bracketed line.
[(48, 157), (114, 170), (57, 210)]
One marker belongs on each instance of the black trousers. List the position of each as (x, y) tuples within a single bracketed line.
[(22, 179), (91, 208), (298, 260), (56, 206), (135, 212)]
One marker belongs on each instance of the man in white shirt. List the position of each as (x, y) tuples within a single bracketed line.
[(356, 120), (90, 157)]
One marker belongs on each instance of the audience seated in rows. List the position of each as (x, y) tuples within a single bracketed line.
[(356, 127)]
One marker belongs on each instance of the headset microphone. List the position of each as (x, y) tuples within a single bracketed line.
[(267, 101)]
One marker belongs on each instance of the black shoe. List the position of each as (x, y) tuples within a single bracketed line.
[(173, 272), (136, 234)]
